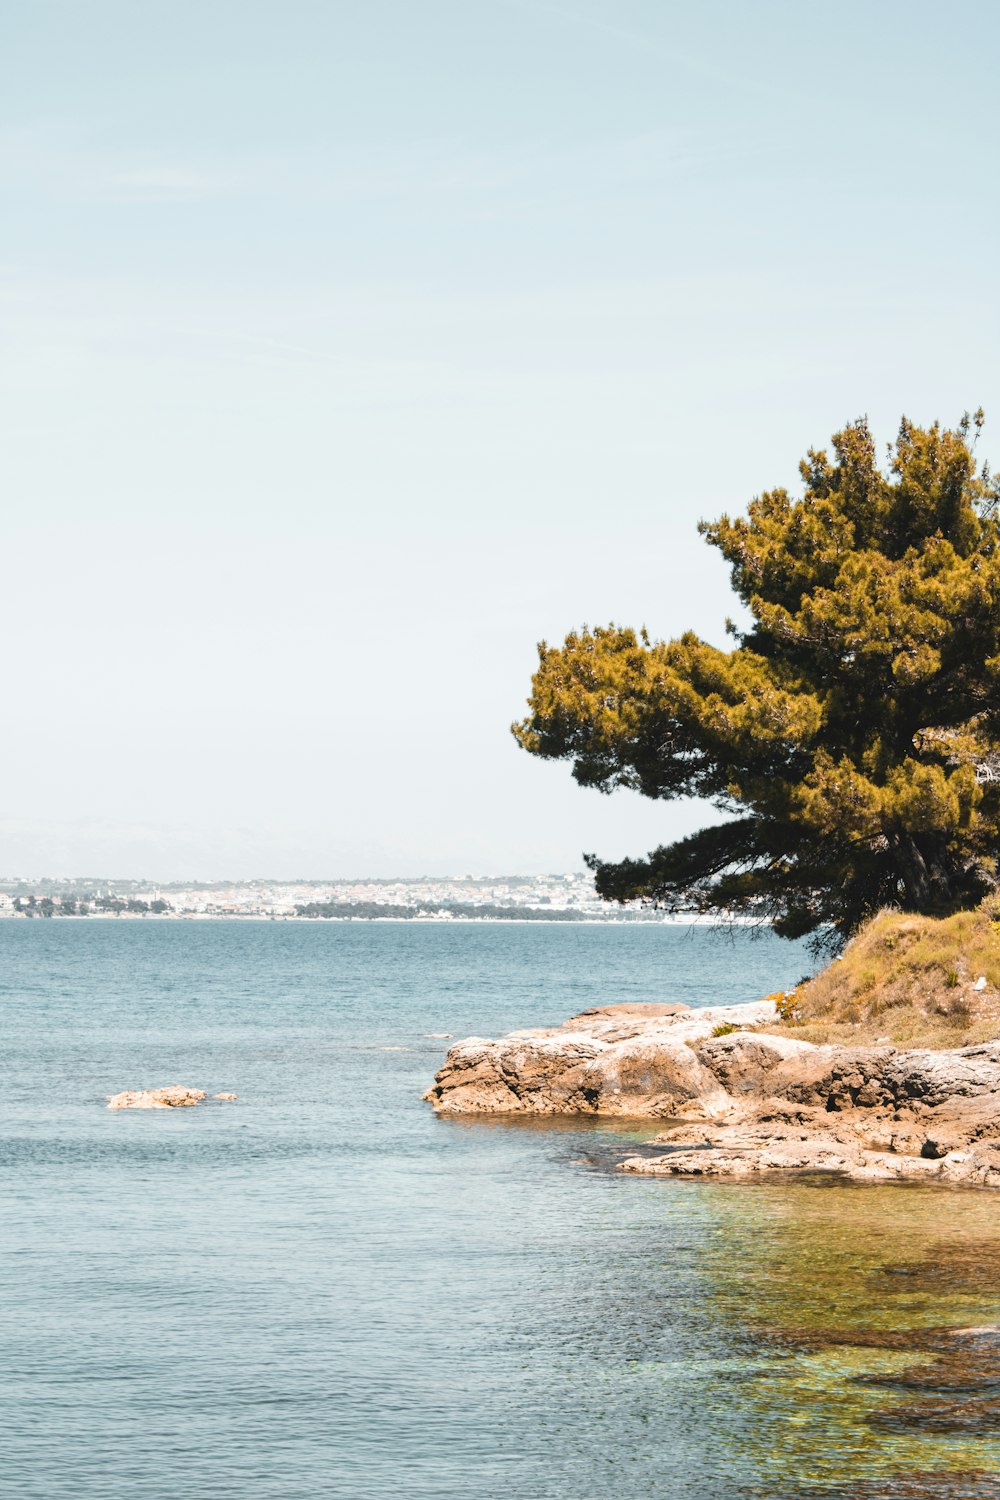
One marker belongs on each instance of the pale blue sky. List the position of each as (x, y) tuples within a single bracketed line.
[(347, 349)]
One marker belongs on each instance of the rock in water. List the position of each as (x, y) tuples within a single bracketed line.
[(223, 1096), (174, 1096)]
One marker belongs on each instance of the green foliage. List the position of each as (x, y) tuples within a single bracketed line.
[(373, 910), (852, 736), (725, 1029)]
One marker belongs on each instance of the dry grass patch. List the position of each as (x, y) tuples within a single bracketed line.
[(908, 980)]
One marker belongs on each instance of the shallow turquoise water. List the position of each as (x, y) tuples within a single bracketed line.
[(322, 1290)]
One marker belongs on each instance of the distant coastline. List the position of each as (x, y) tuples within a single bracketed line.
[(524, 918), (461, 898)]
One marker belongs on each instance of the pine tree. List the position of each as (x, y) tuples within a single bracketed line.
[(852, 736)]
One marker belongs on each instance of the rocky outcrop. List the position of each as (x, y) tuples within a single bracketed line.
[(846, 1078), (174, 1096), (613, 1060), (862, 1145), (748, 1062), (743, 1102)]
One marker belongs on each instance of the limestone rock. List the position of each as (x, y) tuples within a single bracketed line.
[(629, 1060), (174, 1096), (852, 1077), (741, 1060), (223, 1096), (746, 1102), (755, 1152), (632, 1011), (871, 1114)]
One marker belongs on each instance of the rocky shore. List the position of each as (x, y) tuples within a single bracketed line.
[(742, 1100)]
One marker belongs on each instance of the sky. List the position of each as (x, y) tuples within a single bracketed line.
[(348, 350)]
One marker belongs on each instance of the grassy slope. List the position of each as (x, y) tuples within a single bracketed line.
[(908, 980)]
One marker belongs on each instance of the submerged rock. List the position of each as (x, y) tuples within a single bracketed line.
[(174, 1096)]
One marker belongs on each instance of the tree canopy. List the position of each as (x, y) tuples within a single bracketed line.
[(851, 736)]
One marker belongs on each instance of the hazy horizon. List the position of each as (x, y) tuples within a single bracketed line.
[(377, 879), (350, 350)]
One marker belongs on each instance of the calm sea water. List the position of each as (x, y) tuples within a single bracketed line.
[(322, 1290)]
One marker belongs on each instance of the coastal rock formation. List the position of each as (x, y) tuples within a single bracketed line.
[(744, 1102), (174, 1096), (612, 1060), (865, 1145), (746, 1062)]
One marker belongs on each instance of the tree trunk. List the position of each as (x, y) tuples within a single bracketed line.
[(925, 878)]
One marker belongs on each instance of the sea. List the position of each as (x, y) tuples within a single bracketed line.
[(321, 1289)]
